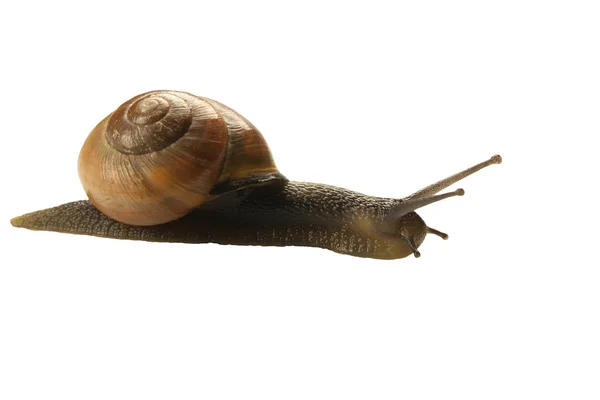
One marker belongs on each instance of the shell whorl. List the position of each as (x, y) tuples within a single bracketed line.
[(150, 122), (160, 155)]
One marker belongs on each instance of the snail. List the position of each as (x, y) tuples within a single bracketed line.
[(169, 166)]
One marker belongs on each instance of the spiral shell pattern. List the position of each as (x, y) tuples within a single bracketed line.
[(159, 155), (150, 122)]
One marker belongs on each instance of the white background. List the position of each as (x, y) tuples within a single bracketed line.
[(379, 97)]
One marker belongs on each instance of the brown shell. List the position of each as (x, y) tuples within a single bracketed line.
[(163, 153)]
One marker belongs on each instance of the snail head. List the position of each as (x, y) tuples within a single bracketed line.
[(403, 222)]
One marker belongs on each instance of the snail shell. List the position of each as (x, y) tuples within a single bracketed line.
[(163, 153)]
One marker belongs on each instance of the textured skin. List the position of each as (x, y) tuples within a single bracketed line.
[(288, 214)]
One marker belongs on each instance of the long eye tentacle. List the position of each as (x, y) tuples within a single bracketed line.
[(413, 204), (444, 183)]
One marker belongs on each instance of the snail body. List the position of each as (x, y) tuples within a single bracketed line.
[(173, 167)]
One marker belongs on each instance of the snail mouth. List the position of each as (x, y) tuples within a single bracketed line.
[(402, 222), (400, 237), (412, 239)]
